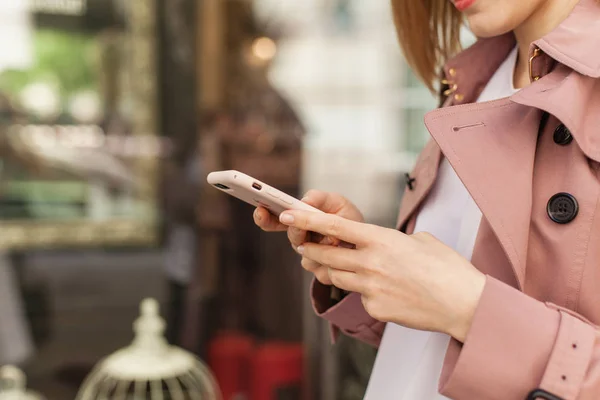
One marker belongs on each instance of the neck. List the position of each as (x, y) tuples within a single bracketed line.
[(543, 20)]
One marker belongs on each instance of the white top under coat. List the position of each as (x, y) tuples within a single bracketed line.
[(409, 362)]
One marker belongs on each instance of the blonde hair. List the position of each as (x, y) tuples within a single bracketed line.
[(429, 33)]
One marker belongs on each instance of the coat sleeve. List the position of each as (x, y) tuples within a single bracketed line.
[(347, 316), (517, 344)]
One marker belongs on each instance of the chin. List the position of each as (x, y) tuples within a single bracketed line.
[(485, 26)]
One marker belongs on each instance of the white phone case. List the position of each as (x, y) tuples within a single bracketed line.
[(255, 192)]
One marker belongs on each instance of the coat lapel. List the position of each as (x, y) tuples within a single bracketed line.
[(480, 61), (498, 139), (424, 173), (491, 146)]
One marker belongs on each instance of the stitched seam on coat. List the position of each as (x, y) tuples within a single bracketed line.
[(579, 257), (563, 360), (549, 379)]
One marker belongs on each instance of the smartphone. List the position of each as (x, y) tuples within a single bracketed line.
[(255, 192)]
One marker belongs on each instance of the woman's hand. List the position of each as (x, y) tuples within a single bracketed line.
[(412, 280), (330, 203)]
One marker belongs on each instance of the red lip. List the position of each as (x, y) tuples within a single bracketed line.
[(462, 5)]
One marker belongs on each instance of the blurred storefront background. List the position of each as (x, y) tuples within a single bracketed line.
[(112, 113)]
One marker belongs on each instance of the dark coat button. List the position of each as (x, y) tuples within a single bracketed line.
[(410, 181), (562, 208), (562, 135)]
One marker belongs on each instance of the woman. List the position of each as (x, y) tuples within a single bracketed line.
[(491, 284)]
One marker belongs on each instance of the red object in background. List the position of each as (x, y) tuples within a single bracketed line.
[(229, 357), (276, 371)]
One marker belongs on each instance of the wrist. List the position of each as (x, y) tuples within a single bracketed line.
[(461, 325)]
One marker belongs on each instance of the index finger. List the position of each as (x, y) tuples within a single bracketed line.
[(328, 225), (317, 199), (330, 203), (267, 221)]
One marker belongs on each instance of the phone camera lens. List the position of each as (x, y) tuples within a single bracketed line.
[(220, 186)]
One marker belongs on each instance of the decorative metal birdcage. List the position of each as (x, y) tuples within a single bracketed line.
[(150, 368), (13, 385)]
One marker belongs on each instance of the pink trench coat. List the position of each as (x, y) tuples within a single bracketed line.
[(532, 164)]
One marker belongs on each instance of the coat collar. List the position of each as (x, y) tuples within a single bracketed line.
[(573, 43), (469, 71), (498, 139)]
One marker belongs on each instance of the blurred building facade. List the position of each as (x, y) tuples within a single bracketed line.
[(302, 94)]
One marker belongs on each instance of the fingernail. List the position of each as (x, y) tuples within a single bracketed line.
[(300, 249), (304, 199), (286, 218), (257, 215)]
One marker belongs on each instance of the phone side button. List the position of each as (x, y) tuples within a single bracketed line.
[(272, 194)]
